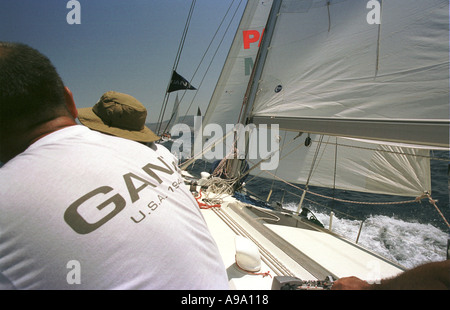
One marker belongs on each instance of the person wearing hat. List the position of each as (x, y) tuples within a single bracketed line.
[(81, 209), (120, 115)]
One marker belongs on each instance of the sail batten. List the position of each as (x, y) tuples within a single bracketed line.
[(433, 133)]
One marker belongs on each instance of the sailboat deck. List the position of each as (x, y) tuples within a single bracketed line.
[(302, 251)]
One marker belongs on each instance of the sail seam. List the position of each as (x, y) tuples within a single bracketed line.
[(329, 16), (378, 40)]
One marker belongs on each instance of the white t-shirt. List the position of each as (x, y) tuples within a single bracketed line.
[(84, 210)]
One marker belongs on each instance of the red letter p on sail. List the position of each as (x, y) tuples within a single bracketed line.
[(251, 36)]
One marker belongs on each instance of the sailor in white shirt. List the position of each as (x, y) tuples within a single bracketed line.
[(82, 209)]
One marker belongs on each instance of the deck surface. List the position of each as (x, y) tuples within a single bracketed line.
[(303, 251)]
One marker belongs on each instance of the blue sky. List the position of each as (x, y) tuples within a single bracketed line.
[(127, 46)]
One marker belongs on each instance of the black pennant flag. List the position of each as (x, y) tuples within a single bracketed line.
[(178, 82)]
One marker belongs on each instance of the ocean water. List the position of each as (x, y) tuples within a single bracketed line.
[(409, 234), (406, 242)]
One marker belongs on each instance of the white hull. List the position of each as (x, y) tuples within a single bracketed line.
[(306, 251)]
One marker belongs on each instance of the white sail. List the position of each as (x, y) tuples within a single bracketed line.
[(328, 70), (349, 164), (339, 155), (226, 102)]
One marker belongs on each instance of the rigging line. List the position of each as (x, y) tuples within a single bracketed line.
[(161, 112), (378, 40), (270, 155), (215, 53), (323, 150), (313, 164), (183, 37), (418, 199), (257, 164), (344, 200), (175, 65), (210, 44), (321, 205), (273, 181), (335, 165), (233, 151), (189, 161), (433, 202), (329, 16), (168, 123), (316, 194)]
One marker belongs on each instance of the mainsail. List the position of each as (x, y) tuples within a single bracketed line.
[(328, 70), (358, 104), (323, 69)]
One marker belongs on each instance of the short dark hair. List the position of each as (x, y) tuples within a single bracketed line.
[(31, 90)]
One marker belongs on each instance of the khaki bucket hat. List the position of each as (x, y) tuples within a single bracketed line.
[(120, 115)]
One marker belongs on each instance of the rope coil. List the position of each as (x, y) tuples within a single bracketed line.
[(263, 274), (203, 205)]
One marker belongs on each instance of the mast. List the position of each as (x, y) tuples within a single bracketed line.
[(175, 65), (259, 62), (236, 166)]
